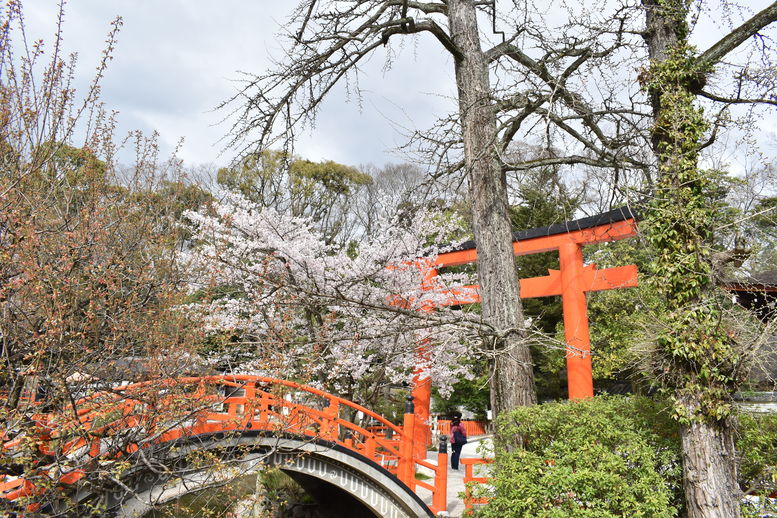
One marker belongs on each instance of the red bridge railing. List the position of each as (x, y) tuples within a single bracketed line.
[(111, 424), (470, 481)]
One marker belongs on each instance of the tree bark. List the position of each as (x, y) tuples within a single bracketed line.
[(660, 30), (660, 36), (709, 470), (512, 378)]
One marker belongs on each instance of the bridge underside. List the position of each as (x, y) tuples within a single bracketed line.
[(341, 480), (336, 501)]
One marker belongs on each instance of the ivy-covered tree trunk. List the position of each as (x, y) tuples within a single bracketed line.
[(512, 379), (695, 357), (709, 464)]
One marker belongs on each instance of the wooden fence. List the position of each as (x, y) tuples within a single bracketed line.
[(473, 428)]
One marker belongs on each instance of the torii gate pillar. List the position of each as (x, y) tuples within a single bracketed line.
[(422, 398), (580, 382)]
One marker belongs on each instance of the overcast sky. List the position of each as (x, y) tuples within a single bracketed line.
[(176, 60)]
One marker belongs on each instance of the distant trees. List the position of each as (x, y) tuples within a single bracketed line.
[(396, 190), (322, 192)]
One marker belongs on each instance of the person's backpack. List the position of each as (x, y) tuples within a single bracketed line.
[(458, 437)]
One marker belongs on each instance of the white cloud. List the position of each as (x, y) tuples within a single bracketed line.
[(176, 60)]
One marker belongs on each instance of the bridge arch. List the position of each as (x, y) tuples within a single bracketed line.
[(340, 479)]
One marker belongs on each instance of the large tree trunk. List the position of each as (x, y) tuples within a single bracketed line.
[(512, 380), (709, 470), (709, 459)]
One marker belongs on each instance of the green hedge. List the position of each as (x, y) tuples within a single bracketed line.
[(599, 458), (608, 457), (757, 451)]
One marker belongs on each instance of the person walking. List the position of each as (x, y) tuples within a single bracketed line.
[(458, 440)]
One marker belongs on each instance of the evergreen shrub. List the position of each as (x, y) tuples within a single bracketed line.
[(599, 458), (757, 452)]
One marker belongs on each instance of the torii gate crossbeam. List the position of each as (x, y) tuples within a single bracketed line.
[(571, 281)]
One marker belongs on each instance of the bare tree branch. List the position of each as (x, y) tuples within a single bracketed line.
[(735, 38), (728, 100), (409, 26)]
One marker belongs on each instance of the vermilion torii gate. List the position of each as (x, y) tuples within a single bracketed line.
[(571, 281)]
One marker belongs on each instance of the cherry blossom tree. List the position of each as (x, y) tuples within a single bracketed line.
[(336, 316)]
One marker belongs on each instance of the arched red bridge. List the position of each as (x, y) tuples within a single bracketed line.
[(133, 447)]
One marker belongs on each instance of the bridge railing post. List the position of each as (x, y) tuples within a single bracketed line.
[(406, 462), (248, 408), (265, 401), (369, 447), (329, 429), (440, 498)]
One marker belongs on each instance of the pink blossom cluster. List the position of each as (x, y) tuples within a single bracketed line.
[(339, 316)]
